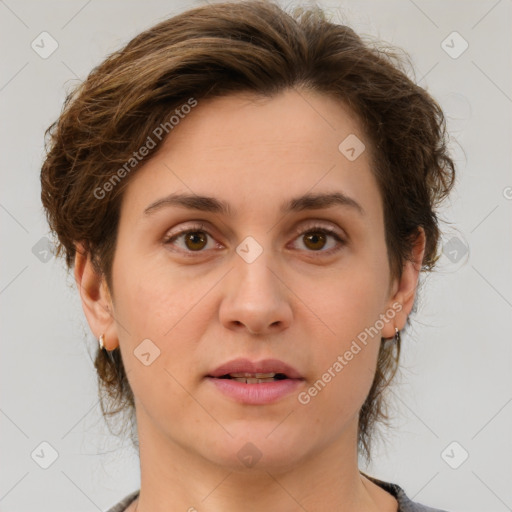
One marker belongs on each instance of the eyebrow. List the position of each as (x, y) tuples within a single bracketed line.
[(211, 204)]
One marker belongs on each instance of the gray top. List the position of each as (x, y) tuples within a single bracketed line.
[(404, 503)]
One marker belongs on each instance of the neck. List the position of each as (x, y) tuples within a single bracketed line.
[(175, 477)]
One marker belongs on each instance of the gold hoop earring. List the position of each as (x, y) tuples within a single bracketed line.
[(102, 342)]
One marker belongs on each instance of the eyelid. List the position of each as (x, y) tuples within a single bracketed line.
[(301, 229), (199, 226), (311, 225)]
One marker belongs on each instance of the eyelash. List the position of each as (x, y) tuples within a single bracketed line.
[(314, 228)]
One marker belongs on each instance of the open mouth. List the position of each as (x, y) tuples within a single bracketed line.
[(255, 388), (257, 378)]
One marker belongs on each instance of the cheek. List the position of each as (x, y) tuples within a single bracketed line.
[(168, 309), (154, 299), (332, 402), (347, 302), (342, 382), (348, 307)]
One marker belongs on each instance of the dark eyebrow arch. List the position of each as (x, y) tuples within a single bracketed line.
[(211, 204)]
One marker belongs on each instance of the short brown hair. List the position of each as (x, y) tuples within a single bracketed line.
[(256, 47)]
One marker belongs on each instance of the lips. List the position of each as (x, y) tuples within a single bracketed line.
[(244, 368), (256, 382)]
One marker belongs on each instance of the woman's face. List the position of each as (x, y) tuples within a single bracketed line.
[(259, 281)]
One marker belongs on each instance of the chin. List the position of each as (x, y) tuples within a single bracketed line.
[(267, 449)]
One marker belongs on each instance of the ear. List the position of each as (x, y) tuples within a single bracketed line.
[(96, 298), (404, 289)]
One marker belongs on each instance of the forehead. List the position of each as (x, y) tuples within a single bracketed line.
[(248, 148), (302, 119)]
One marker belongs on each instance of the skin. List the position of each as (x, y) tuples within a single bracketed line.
[(294, 302)]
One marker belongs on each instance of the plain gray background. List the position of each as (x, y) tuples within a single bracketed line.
[(456, 380)]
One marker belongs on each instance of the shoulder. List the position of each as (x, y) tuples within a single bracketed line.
[(405, 504), (124, 503)]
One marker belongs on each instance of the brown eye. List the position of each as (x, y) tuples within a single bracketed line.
[(324, 240), (194, 239), (315, 240)]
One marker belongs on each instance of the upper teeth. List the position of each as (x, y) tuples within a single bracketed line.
[(253, 375)]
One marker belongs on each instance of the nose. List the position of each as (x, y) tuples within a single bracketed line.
[(256, 298)]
